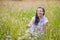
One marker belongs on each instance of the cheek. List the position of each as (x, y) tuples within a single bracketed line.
[(41, 13)]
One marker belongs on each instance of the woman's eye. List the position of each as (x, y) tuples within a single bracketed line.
[(41, 11)]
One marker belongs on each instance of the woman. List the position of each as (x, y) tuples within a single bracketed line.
[(39, 22)]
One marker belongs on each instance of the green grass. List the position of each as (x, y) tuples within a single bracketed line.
[(13, 22)]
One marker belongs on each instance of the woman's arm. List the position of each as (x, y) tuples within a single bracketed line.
[(31, 22), (45, 27)]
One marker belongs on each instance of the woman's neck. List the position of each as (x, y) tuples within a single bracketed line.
[(40, 18)]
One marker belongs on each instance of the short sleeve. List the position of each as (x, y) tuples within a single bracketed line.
[(45, 20)]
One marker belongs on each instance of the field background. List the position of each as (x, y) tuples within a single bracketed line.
[(15, 15)]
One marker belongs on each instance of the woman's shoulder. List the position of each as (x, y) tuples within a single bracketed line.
[(33, 18), (45, 19)]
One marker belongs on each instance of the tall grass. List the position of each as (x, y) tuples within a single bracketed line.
[(13, 22)]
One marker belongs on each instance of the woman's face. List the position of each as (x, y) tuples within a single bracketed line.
[(40, 12)]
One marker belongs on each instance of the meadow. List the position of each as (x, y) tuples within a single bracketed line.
[(13, 22)]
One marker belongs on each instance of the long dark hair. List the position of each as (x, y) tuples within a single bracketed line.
[(36, 17)]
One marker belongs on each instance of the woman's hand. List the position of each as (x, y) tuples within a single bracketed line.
[(28, 26)]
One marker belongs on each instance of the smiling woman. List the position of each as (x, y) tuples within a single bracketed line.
[(38, 24)]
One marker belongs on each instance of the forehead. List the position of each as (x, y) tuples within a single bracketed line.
[(39, 9)]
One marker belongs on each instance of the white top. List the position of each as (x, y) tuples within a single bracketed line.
[(39, 26)]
